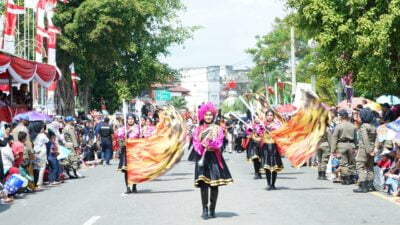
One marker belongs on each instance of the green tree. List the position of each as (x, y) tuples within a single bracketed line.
[(116, 45), (271, 56), (237, 106), (358, 36), (178, 102)]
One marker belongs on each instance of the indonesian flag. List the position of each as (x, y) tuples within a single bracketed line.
[(281, 85), (74, 78), (12, 12)]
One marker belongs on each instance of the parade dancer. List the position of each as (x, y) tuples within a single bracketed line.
[(270, 157), (211, 170), (130, 131), (255, 133), (148, 128)]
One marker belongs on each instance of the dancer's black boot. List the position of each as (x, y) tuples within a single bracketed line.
[(257, 165), (268, 176), (204, 201), (134, 189), (128, 190), (213, 201), (273, 180)]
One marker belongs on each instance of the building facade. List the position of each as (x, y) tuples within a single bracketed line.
[(207, 84)]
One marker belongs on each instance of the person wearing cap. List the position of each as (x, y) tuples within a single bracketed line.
[(365, 154), (23, 126), (71, 142), (28, 150), (344, 140)]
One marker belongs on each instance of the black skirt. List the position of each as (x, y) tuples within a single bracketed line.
[(122, 159), (253, 150), (211, 173), (270, 158)]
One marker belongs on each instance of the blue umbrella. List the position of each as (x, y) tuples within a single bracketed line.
[(33, 116), (390, 99)]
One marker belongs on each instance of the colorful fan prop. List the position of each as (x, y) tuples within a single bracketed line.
[(298, 139), (149, 158)]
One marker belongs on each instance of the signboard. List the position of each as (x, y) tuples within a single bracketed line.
[(163, 95)]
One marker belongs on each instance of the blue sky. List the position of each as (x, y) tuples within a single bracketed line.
[(228, 28)]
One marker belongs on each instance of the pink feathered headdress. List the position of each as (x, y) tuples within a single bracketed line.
[(206, 107)]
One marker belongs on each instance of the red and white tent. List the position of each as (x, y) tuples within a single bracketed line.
[(23, 71)]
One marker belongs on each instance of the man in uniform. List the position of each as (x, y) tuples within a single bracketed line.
[(28, 155), (344, 140), (323, 153), (71, 142), (22, 126), (365, 155)]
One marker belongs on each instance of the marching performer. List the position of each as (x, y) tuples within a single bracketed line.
[(270, 157), (148, 128), (130, 131), (255, 133), (211, 170)]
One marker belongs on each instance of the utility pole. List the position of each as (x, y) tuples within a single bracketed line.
[(293, 61)]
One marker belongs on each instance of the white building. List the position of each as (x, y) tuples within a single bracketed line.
[(204, 84)]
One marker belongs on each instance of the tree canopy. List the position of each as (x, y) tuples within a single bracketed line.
[(116, 46), (358, 36)]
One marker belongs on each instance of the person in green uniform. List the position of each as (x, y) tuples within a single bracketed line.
[(344, 141), (365, 154)]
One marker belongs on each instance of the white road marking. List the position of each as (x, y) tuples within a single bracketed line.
[(92, 220)]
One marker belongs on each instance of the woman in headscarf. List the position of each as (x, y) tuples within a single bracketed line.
[(270, 157), (40, 140), (211, 170), (365, 154)]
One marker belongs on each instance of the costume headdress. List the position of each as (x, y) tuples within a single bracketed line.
[(206, 107)]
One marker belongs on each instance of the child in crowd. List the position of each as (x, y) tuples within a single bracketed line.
[(392, 180)]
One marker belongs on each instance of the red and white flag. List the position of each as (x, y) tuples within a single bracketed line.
[(74, 78), (12, 12)]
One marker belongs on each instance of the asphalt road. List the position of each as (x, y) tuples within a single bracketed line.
[(172, 199)]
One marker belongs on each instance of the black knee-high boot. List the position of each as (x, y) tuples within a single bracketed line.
[(204, 201), (274, 174), (128, 189), (213, 201), (257, 165), (268, 175), (134, 189)]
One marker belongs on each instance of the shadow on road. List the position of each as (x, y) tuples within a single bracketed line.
[(179, 174), (4, 207), (178, 178), (149, 191), (303, 189), (287, 178), (294, 173), (226, 214)]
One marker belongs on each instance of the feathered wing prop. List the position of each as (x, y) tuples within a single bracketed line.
[(263, 106), (149, 158), (298, 139)]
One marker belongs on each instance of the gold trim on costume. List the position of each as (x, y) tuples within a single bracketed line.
[(253, 158), (212, 182), (274, 168)]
